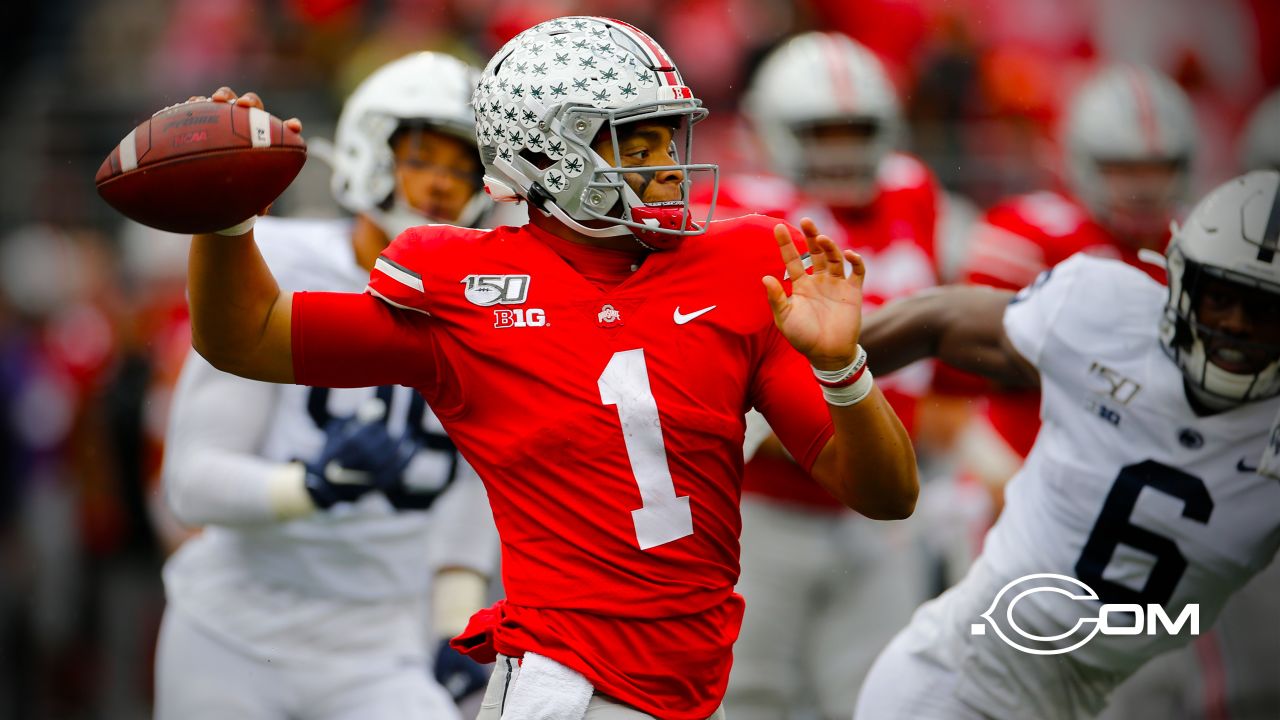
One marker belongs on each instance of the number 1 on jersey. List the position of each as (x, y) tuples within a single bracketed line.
[(662, 517)]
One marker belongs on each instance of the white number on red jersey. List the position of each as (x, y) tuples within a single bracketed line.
[(662, 517)]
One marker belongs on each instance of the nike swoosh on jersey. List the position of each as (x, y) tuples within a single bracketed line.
[(682, 319), (1245, 468)]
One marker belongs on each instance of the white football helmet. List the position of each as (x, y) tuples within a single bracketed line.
[(818, 79), (426, 89), (1128, 113), (541, 102), (1260, 148), (1233, 234)]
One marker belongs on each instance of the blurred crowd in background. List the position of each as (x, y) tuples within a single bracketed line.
[(92, 318)]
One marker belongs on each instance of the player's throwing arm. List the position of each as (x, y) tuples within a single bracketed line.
[(240, 319)]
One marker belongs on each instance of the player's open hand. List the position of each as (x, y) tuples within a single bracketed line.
[(249, 99), (823, 315)]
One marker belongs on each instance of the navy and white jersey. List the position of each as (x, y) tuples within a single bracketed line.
[(1127, 489), (355, 576)]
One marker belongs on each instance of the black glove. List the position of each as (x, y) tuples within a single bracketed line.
[(459, 674), (359, 455)]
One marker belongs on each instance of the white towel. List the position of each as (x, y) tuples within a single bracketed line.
[(547, 690)]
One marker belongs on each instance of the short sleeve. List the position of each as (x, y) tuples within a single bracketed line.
[(396, 277), (356, 340), (1078, 302), (785, 392), (1029, 318)]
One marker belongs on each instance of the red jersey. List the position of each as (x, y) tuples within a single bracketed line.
[(895, 237), (607, 425), (1016, 241)]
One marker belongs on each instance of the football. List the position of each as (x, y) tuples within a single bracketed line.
[(201, 166)]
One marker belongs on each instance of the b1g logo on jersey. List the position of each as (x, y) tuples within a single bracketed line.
[(519, 317), (1062, 596), (486, 290)]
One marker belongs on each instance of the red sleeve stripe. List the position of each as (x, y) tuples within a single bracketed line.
[(399, 273)]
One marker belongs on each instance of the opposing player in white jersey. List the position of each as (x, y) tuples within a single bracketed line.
[(307, 594), (1230, 671), (1142, 484), (826, 588)]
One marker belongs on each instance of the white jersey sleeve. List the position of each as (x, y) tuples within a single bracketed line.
[(215, 468), (1092, 288), (212, 472)]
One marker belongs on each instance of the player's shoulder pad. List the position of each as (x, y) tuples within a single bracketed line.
[(748, 242), (400, 274), (1096, 298), (762, 194), (1040, 216)]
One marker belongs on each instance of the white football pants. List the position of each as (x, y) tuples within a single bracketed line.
[(201, 677), (506, 672)]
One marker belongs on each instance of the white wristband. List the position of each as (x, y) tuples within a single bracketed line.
[(457, 594), (851, 394), (239, 228), (849, 385), (287, 492)]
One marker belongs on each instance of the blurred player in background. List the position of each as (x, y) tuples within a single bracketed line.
[(307, 595), (1129, 139), (1260, 147), (826, 589), (1143, 482), (595, 365)]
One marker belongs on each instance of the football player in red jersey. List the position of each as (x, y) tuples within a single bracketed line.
[(825, 588), (594, 366), (1129, 139)]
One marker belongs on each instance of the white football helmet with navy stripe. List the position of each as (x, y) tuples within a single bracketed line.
[(1233, 234), (543, 100)]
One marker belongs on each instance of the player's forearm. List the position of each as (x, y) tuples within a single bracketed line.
[(240, 319), (960, 325), (869, 463), (211, 486), (904, 331)]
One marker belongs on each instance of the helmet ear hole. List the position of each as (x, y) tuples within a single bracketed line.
[(542, 161)]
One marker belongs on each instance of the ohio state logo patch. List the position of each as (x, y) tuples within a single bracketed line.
[(609, 317)]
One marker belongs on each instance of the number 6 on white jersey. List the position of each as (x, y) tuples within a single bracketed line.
[(662, 517)]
